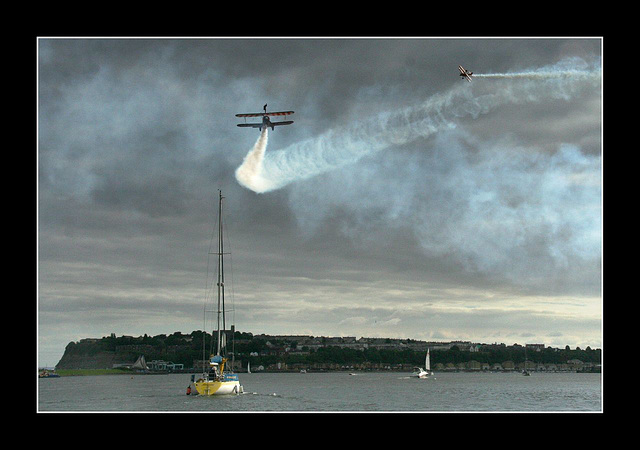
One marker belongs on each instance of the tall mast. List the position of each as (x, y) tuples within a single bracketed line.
[(220, 274)]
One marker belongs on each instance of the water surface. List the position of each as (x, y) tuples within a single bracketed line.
[(335, 391)]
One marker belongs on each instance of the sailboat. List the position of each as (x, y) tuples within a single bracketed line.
[(219, 379), (140, 364), (424, 373)]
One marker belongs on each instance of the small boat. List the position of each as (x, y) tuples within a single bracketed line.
[(140, 365), (426, 372), (303, 371), (219, 379), (46, 373)]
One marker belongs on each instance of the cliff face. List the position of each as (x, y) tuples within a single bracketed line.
[(104, 353), (101, 360)]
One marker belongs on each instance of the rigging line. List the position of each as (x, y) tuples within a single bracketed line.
[(233, 304), (206, 292), (210, 287), (230, 264)]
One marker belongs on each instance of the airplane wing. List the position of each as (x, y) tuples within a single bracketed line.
[(287, 122), (252, 125), (275, 113), (250, 115), (279, 113)]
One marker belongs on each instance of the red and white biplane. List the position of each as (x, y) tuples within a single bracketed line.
[(465, 73), (265, 119)]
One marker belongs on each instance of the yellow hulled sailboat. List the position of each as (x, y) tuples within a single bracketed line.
[(219, 379), (218, 382)]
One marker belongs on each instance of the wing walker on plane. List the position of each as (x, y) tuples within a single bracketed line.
[(265, 119), (465, 73)]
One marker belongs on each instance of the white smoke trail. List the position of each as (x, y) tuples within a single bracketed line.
[(575, 75), (567, 74), (249, 174), (573, 68), (346, 145)]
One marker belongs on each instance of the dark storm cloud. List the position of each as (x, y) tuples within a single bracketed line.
[(136, 136)]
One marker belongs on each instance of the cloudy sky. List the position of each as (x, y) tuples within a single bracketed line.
[(403, 202)]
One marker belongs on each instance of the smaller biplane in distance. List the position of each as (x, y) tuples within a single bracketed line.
[(265, 119), (465, 73)]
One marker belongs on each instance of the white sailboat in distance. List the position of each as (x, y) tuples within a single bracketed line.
[(426, 372)]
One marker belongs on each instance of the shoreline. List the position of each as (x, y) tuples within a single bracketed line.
[(97, 372)]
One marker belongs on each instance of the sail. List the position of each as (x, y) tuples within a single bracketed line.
[(140, 363), (427, 362)]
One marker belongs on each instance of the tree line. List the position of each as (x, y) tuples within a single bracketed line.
[(185, 349)]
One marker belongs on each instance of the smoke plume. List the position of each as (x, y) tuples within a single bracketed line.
[(573, 69), (249, 174), (345, 145)]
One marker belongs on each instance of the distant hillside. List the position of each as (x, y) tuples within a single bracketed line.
[(105, 352), (309, 351)]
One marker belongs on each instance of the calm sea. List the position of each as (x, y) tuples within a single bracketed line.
[(336, 391)]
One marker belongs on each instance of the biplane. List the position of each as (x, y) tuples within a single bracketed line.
[(465, 73), (266, 122)]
